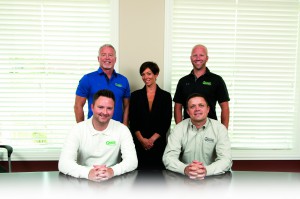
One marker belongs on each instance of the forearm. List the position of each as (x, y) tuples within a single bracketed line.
[(69, 166), (223, 161), (225, 117), (225, 114), (125, 112), (154, 137), (174, 164), (139, 136), (129, 159), (219, 167), (171, 160), (78, 108), (79, 114), (125, 117), (178, 113)]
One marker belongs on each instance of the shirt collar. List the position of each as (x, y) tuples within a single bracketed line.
[(191, 125), (206, 72), (94, 131), (101, 72)]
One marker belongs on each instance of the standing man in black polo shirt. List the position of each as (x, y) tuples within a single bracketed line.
[(201, 80)]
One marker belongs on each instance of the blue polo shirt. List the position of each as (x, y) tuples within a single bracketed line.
[(90, 83)]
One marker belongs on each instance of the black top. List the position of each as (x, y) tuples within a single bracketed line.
[(210, 85), (148, 122)]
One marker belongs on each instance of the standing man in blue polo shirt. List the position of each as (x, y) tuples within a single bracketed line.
[(202, 81), (104, 78)]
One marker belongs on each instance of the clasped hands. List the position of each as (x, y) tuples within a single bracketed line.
[(195, 170), (147, 143), (100, 173)]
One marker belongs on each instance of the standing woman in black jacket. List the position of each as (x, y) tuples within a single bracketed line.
[(150, 114)]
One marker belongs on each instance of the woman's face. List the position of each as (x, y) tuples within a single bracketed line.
[(148, 77)]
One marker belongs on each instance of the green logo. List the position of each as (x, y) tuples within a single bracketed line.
[(206, 83), (111, 143), (118, 85)]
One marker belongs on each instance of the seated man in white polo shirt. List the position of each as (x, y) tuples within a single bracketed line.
[(100, 147)]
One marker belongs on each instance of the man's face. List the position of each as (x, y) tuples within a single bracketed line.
[(197, 109), (107, 58), (103, 110), (199, 57)]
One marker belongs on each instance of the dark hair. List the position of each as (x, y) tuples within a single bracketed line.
[(104, 93), (196, 95), (151, 65)]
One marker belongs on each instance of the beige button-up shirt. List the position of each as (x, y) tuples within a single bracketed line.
[(209, 145)]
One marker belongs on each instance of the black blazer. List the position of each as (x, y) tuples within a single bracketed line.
[(156, 121)]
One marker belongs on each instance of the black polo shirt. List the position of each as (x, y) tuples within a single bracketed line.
[(211, 85)]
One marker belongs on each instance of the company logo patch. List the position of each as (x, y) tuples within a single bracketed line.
[(118, 85), (206, 83), (111, 143), (209, 140)]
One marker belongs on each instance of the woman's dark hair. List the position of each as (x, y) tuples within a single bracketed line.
[(151, 65)]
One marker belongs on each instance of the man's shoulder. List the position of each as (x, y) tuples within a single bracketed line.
[(217, 124), (181, 128), (118, 125), (213, 75), (120, 76), (91, 74), (214, 121), (183, 124), (80, 127), (186, 78)]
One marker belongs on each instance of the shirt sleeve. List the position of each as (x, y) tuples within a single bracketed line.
[(222, 92), (127, 91), (83, 87), (68, 159), (223, 161), (173, 150), (178, 96), (128, 154)]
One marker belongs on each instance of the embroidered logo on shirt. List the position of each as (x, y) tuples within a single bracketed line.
[(118, 85), (209, 140), (110, 143), (206, 83)]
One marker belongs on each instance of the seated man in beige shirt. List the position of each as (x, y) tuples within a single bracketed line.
[(198, 146)]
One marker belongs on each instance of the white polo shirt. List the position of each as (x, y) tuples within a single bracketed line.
[(85, 147)]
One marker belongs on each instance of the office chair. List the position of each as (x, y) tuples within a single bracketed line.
[(9, 152)]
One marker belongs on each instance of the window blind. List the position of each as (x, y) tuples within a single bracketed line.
[(254, 46), (46, 46)]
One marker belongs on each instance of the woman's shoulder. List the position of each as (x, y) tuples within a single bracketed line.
[(137, 92), (164, 93)]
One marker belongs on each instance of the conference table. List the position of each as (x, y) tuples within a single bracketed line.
[(152, 184)]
